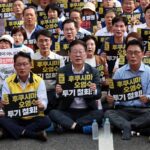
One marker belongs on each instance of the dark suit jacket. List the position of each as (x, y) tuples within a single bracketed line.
[(65, 102)]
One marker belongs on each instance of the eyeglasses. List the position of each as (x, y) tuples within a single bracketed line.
[(133, 52), (22, 64)]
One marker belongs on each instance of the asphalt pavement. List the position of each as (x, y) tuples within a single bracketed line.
[(73, 141)]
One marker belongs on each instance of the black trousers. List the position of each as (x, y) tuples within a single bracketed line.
[(15, 127), (133, 118), (81, 116)]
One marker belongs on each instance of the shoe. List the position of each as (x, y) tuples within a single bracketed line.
[(42, 136), (59, 129), (2, 113), (51, 128), (2, 134), (87, 129), (126, 135)]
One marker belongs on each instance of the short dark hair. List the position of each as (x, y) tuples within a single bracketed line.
[(29, 7), (76, 42), (43, 32), (75, 10), (88, 37), (69, 21), (53, 6), (134, 35), (135, 42), (120, 18), (110, 11), (19, 29), (22, 54), (147, 7)]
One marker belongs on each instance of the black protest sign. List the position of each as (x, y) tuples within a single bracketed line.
[(10, 24), (47, 69), (5, 10), (145, 34), (76, 85), (146, 60), (50, 24), (61, 48), (20, 105), (41, 16), (100, 68), (130, 16), (126, 90), (114, 49)]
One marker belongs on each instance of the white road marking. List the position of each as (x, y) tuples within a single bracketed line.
[(105, 143)]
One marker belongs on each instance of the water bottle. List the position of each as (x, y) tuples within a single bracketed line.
[(107, 127), (95, 132)]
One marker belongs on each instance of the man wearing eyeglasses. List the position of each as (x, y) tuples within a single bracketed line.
[(133, 114), (44, 43), (23, 81), (78, 111)]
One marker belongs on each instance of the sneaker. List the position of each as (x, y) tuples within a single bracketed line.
[(87, 129)]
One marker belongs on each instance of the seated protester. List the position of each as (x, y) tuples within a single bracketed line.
[(141, 8), (19, 35), (24, 81), (6, 41), (107, 31), (132, 115), (18, 7), (130, 36), (53, 12), (77, 113), (145, 25), (114, 46), (96, 60), (44, 42), (76, 15), (30, 22)]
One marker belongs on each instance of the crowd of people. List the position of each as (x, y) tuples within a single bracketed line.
[(65, 64)]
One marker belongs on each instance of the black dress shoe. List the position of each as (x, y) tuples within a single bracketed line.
[(59, 129), (42, 136)]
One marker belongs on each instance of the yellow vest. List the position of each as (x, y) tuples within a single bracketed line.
[(15, 87)]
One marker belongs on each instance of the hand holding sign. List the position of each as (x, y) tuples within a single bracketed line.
[(143, 98), (93, 87), (39, 105), (110, 99), (4, 101), (59, 89)]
